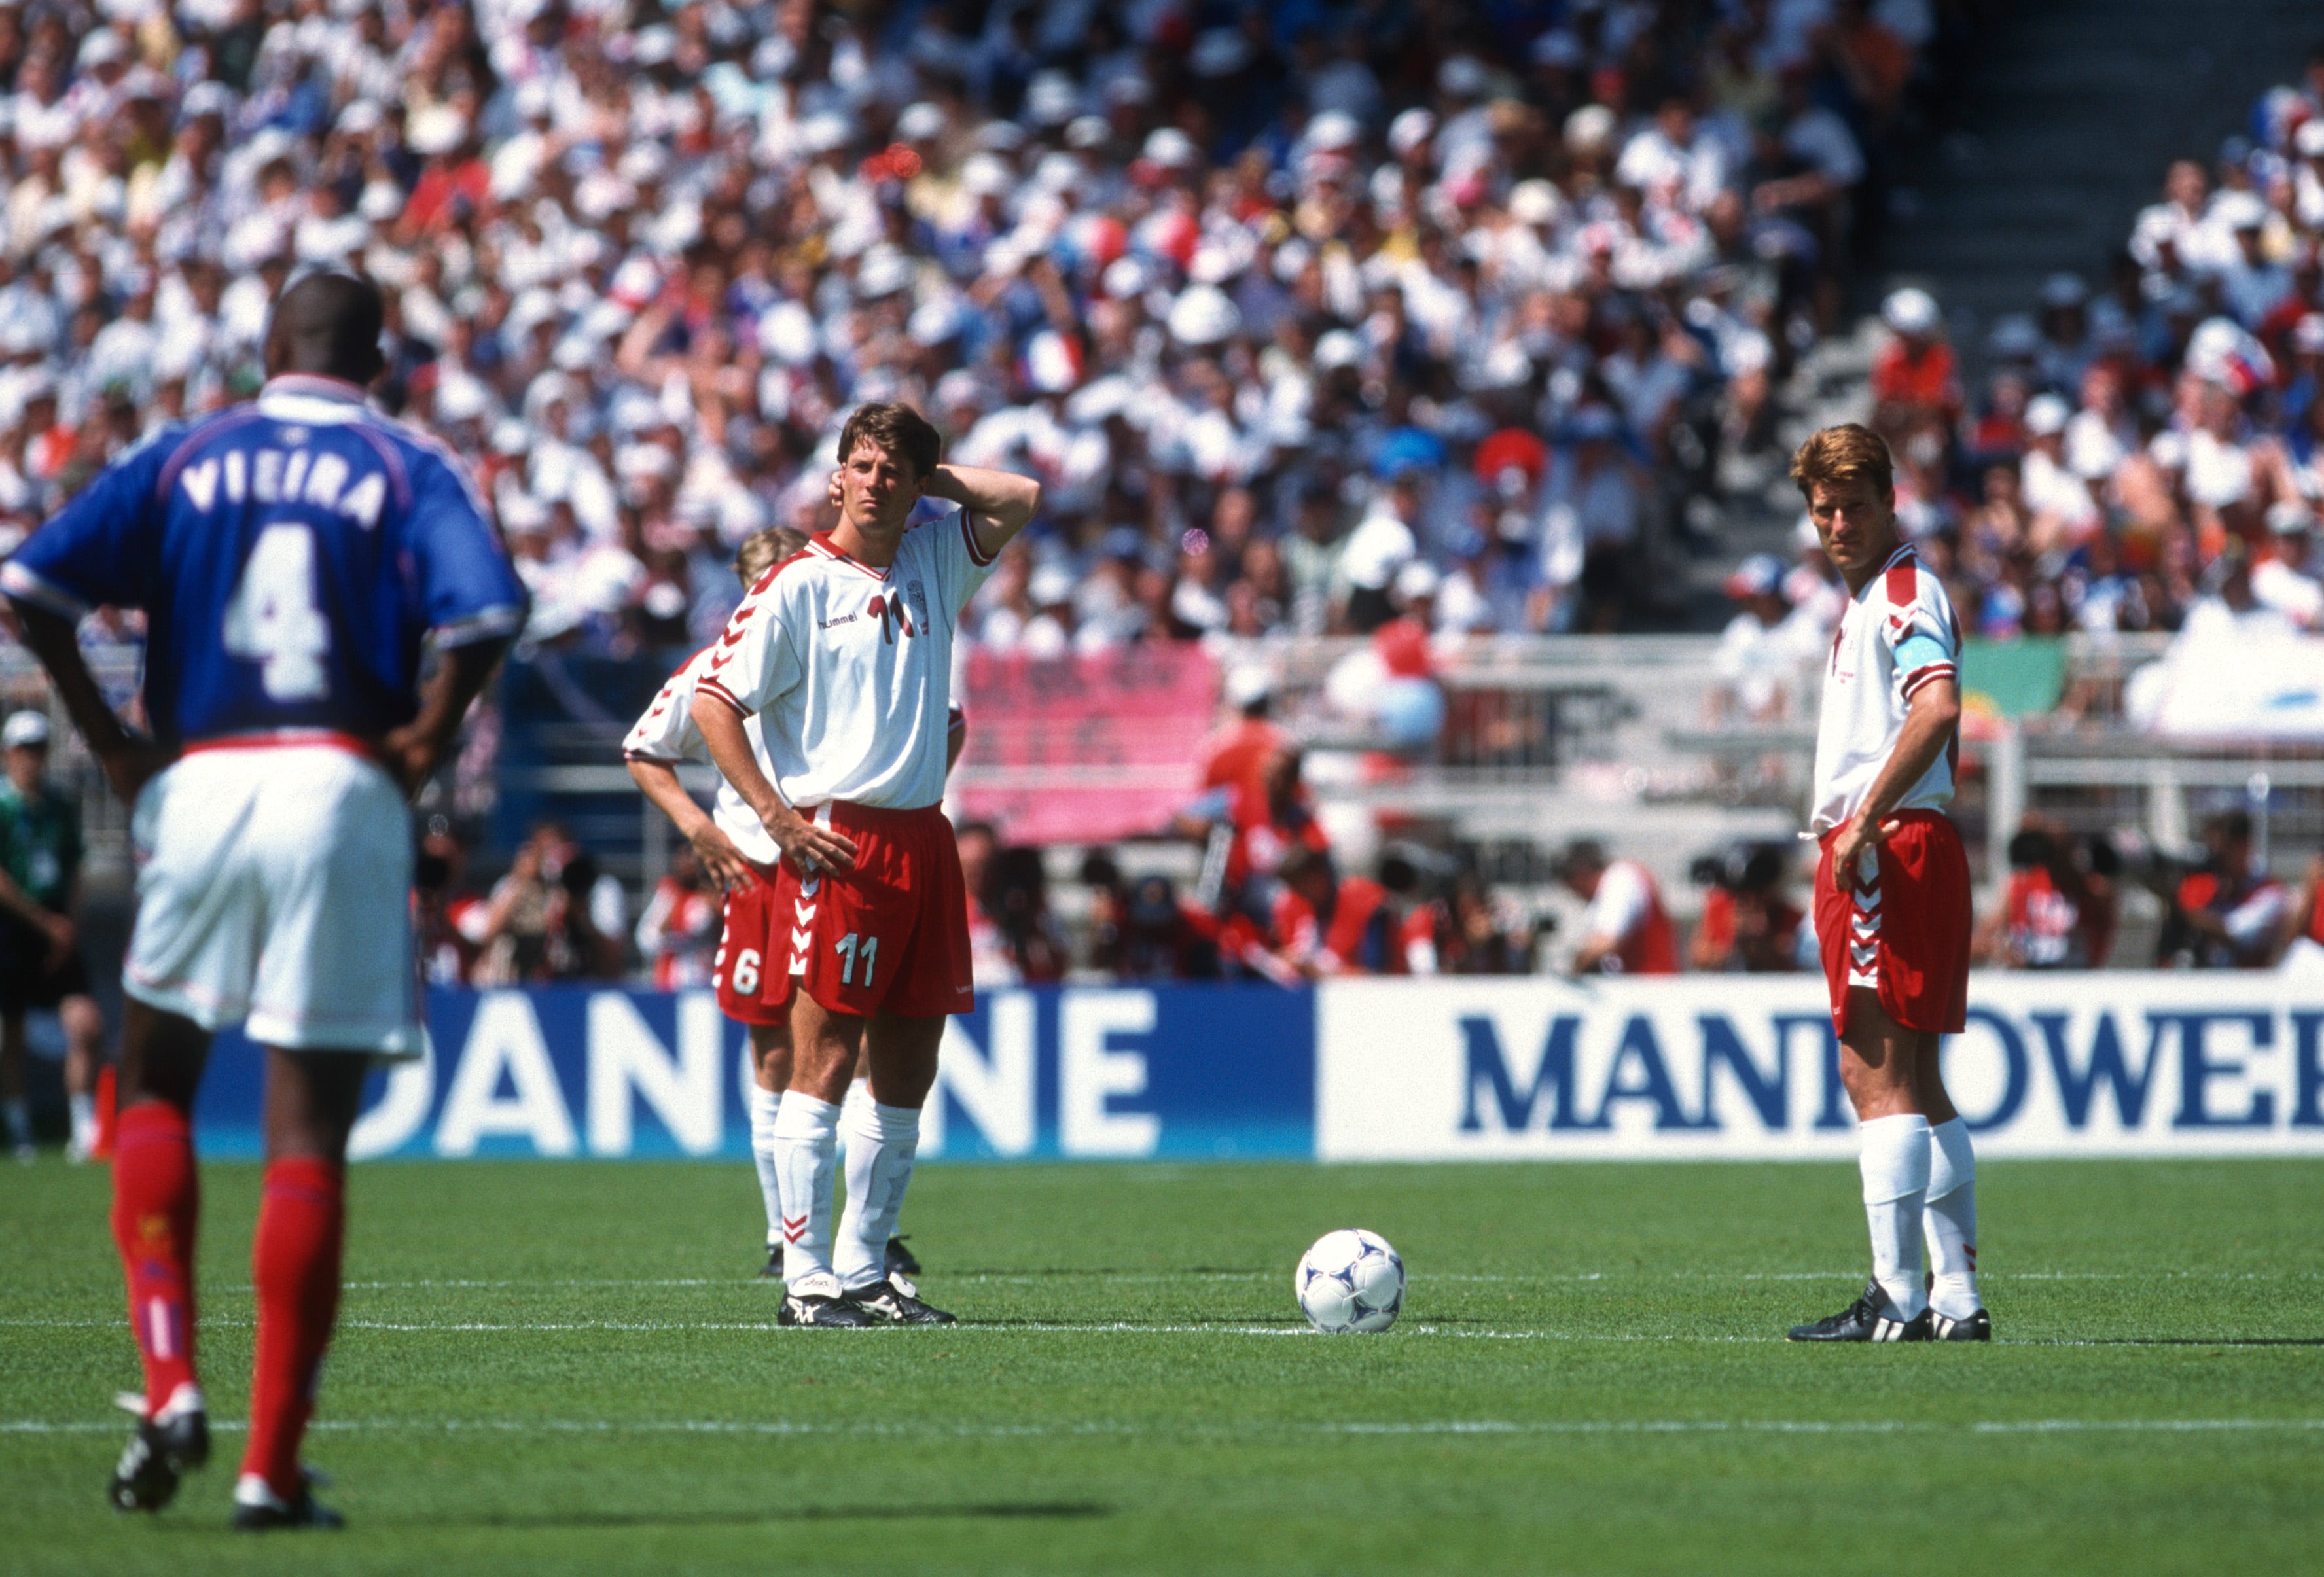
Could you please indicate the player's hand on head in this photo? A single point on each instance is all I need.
(836, 494)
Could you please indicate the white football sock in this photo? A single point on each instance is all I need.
(764, 1104)
(807, 1144)
(855, 1117)
(83, 1118)
(881, 1141)
(1949, 1220)
(19, 1119)
(1894, 1165)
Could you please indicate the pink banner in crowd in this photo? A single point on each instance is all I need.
(1083, 749)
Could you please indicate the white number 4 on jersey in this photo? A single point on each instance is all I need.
(273, 619)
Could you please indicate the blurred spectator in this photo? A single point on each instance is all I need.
(1460, 931)
(2055, 913)
(678, 933)
(2228, 914)
(1749, 922)
(447, 920)
(1233, 756)
(1625, 930)
(1766, 650)
(638, 265)
(1015, 898)
(1143, 930)
(2287, 579)
(552, 917)
(1250, 829)
(1326, 924)
(1912, 376)
(990, 963)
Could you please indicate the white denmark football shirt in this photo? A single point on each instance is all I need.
(848, 669)
(666, 732)
(1865, 689)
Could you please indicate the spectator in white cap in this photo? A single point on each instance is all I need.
(1247, 734)
(1766, 650)
(2287, 579)
(2252, 284)
(2063, 512)
(1913, 374)
(40, 966)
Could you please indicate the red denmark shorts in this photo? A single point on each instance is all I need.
(752, 986)
(1901, 929)
(892, 933)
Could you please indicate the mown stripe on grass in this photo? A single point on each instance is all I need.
(1131, 1429)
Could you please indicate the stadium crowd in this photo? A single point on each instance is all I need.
(1278, 301)
(2146, 453)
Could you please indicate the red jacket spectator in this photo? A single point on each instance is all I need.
(1325, 923)
(1626, 929)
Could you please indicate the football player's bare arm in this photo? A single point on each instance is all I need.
(1930, 719)
(128, 759)
(412, 751)
(808, 847)
(658, 782)
(999, 503)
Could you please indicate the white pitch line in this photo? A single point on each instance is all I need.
(1354, 1428)
(456, 1284)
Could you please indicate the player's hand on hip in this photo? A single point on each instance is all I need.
(1857, 837)
(721, 860)
(809, 848)
(410, 754)
(60, 928)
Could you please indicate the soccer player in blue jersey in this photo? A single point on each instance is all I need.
(291, 556)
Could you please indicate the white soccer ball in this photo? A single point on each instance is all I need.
(1351, 1280)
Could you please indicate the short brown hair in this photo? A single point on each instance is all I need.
(898, 428)
(1849, 453)
(762, 550)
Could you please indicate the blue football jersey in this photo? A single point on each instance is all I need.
(289, 556)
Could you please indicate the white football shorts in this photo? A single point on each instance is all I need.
(274, 891)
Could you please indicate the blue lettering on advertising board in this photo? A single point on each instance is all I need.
(571, 1070)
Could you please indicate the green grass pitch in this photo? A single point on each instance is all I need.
(567, 1367)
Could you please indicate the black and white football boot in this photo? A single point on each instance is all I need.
(896, 1302)
(1978, 1327)
(1870, 1318)
(772, 1270)
(899, 1259)
(259, 1509)
(165, 1447)
(817, 1300)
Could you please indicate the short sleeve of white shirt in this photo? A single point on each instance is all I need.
(958, 564)
(1620, 904)
(665, 731)
(757, 659)
(1926, 612)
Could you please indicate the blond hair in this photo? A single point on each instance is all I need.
(1847, 452)
(762, 550)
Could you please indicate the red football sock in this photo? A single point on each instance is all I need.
(156, 1201)
(294, 1264)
